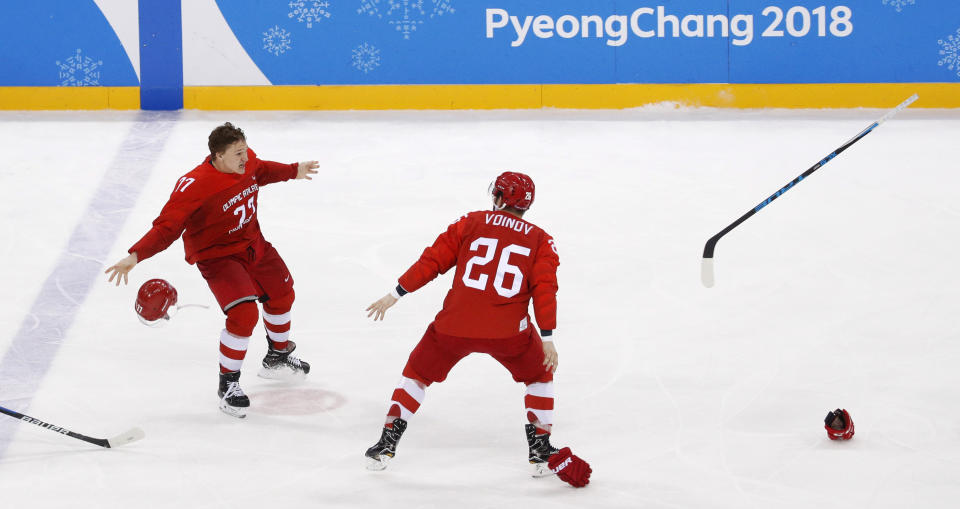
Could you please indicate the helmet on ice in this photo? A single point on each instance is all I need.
(154, 299)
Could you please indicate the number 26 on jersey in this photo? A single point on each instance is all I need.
(503, 267)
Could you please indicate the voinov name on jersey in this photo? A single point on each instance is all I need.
(644, 22)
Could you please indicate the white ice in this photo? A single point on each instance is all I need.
(842, 293)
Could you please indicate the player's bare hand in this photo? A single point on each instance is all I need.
(379, 308)
(550, 357)
(120, 269)
(307, 168)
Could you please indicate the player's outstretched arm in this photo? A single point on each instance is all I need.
(379, 308)
(306, 168)
(120, 269)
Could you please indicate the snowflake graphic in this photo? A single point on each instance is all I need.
(899, 3)
(79, 71)
(370, 7)
(410, 15)
(276, 40)
(406, 15)
(441, 7)
(309, 11)
(950, 52)
(366, 58)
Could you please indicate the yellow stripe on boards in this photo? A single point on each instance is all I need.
(69, 98)
(455, 97)
(719, 95)
(482, 97)
(364, 97)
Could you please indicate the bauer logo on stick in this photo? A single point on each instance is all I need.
(154, 300)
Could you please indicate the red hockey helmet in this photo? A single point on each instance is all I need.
(516, 189)
(154, 299)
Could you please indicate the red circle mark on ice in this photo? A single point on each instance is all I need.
(294, 401)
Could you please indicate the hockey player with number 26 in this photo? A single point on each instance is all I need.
(214, 207)
(502, 262)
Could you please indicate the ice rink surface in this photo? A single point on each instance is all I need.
(842, 293)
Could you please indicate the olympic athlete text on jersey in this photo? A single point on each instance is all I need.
(214, 208)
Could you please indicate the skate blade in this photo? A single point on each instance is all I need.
(233, 411)
(379, 463)
(541, 470)
(283, 374)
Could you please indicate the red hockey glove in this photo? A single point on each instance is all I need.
(570, 468)
(839, 425)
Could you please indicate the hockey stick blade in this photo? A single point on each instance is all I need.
(128, 437)
(706, 272)
(706, 266)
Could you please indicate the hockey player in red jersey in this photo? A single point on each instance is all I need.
(502, 262)
(214, 207)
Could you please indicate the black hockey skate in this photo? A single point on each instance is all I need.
(386, 448)
(280, 365)
(232, 399)
(540, 451)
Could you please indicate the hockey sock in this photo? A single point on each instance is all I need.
(232, 351)
(234, 339)
(276, 319)
(539, 404)
(406, 400)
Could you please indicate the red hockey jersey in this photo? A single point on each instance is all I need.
(215, 212)
(502, 262)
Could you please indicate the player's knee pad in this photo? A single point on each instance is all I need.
(281, 305)
(242, 319)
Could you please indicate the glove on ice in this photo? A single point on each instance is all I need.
(570, 468)
(839, 425)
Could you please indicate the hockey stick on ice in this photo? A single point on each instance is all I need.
(706, 267)
(131, 435)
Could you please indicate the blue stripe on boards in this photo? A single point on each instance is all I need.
(79, 266)
(161, 55)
